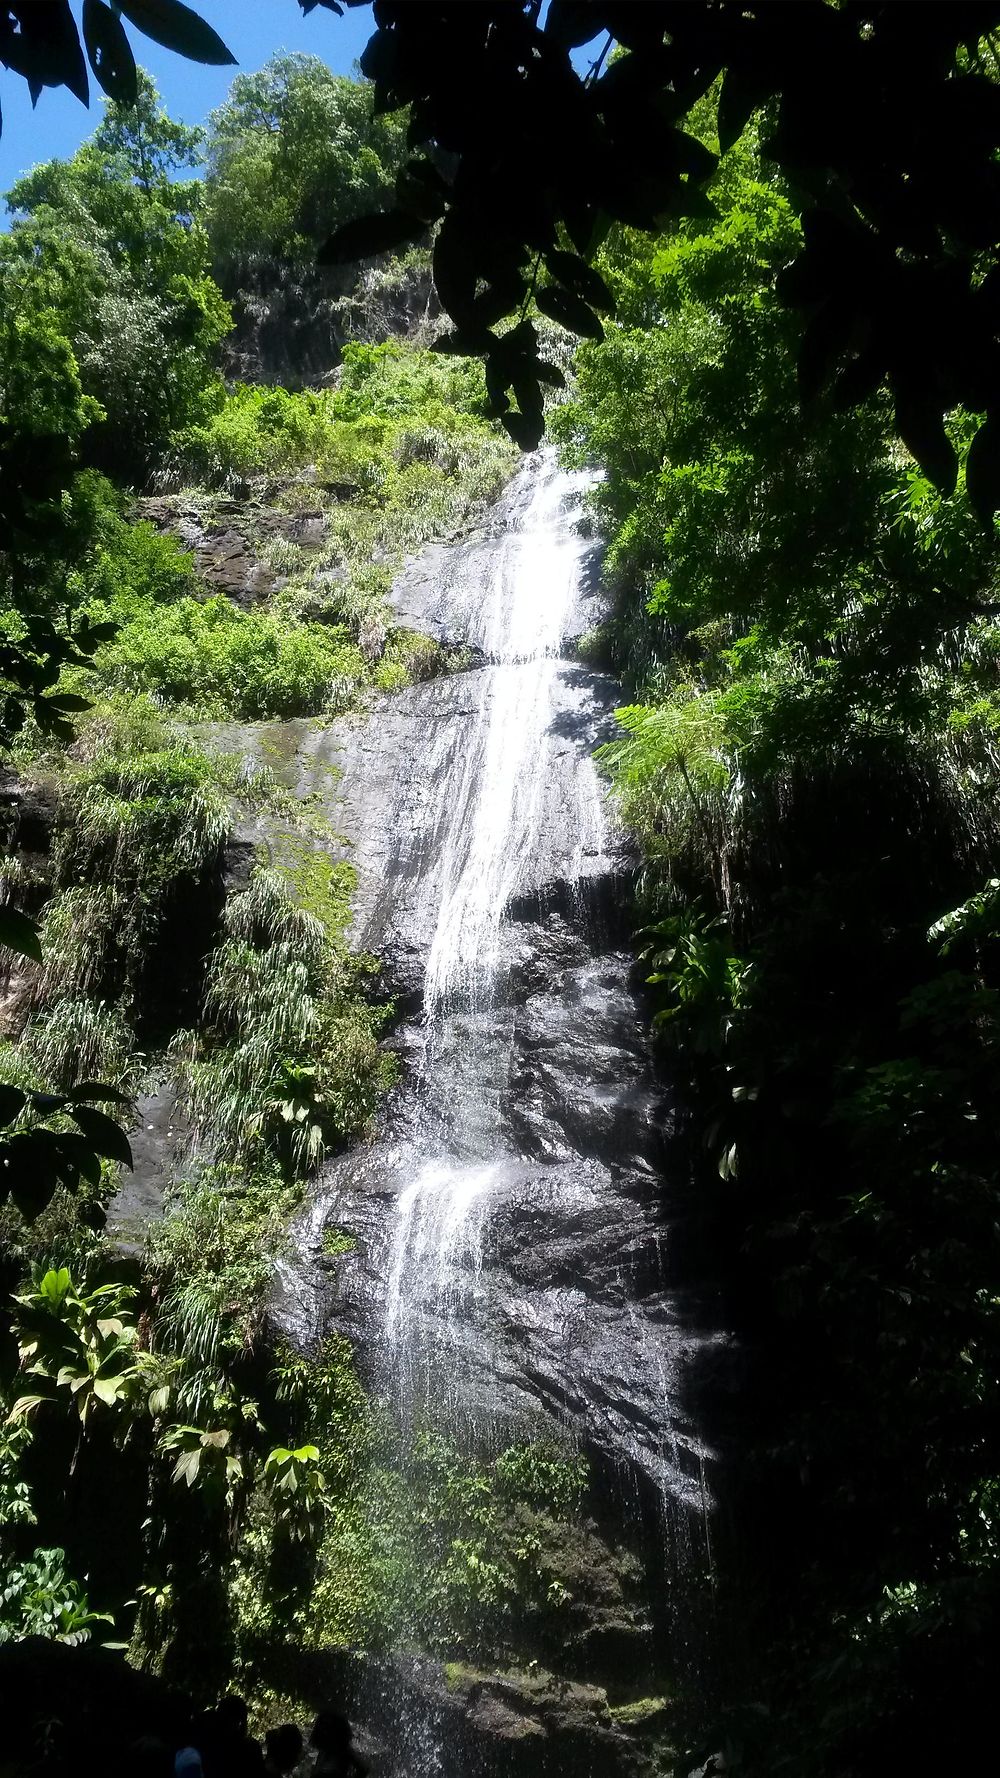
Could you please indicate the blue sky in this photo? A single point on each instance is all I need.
(253, 29)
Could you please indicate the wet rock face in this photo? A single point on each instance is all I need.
(229, 537)
(440, 592)
(548, 1305)
(159, 1141)
(475, 1723)
(505, 1277)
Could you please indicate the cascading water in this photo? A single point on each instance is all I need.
(488, 819)
(508, 1218)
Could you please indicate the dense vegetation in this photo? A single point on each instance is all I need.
(805, 624)
(808, 633)
(295, 152)
(251, 1495)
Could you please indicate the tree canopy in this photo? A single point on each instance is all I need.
(294, 152)
(807, 632)
(883, 117)
(111, 244)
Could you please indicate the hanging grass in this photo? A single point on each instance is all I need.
(294, 1063)
(79, 1040)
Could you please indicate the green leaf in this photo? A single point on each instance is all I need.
(108, 1389)
(19, 934)
(56, 1284)
(178, 28)
(24, 1405)
(108, 1138)
(187, 1466)
(109, 52)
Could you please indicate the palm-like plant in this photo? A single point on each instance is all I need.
(85, 1345)
(298, 1488)
(205, 1459)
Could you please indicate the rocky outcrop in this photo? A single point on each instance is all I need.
(230, 538)
(472, 1722)
(292, 321)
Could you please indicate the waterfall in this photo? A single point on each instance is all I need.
(488, 820)
(504, 1280)
(495, 808)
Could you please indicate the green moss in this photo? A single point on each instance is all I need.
(639, 1712)
(336, 1242)
(458, 1674)
(322, 885)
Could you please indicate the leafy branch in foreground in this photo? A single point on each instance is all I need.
(891, 155)
(38, 1151)
(42, 43)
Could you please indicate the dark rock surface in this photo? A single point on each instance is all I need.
(292, 322)
(159, 1142)
(228, 539)
(413, 1714)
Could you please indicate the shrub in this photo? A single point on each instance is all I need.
(219, 661)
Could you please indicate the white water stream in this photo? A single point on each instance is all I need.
(489, 819)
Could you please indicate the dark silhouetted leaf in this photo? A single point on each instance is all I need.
(502, 297)
(921, 428)
(550, 373)
(454, 269)
(570, 311)
(19, 934)
(587, 229)
(68, 702)
(12, 1103)
(581, 279)
(465, 343)
(525, 429)
(825, 339)
(107, 1136)
(572, 22)
(421, 189)
(368, 236)
(860, 378)
(76, 1156)
(109, 52)
(742, 91)
(178, 28)
(97, 1089)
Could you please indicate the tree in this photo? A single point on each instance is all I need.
(897, 183)
(891, 150)
(110, 241)
(294, 152)
(808, 631)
